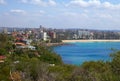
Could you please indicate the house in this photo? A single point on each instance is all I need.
(27, 41)
(2, 58)
(31, 47)
(20, 45)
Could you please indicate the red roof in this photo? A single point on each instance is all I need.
(19, 38)
(19, 43)
(2, 57)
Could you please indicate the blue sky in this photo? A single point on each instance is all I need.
(88, 14)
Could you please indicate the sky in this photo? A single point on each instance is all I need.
(84, 14)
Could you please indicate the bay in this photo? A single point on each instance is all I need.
(79, 52)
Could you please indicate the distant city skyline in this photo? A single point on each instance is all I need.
(84, 14)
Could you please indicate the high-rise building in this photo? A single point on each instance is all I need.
(44, 35)
(14, 29)
(54, 35)
(5, 30)
(41, 29)
(83, 34)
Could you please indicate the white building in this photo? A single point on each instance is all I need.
(5, 30)
(54, 35)
(75, 36)
(44, 36)
(27, 46)
(83, 34)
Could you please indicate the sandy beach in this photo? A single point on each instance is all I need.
(67, 41)
(54, 44)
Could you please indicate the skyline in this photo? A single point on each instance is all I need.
(86, 14)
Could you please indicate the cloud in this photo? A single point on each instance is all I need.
(93, 3)
(42, 12)
(2, 2)
(78, 13)
(40, 2)
(83, 3)
(52, 3)
(18, 11)
(38, 13)
(104, 15)
(24, 1)
(70, 14)
(110, 6)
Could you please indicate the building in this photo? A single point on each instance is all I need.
(83, 34)
(24, 46)
(75, 36)
(52, 34)
(14, 30)
(44, 36)
(5, 30)
(2, 58)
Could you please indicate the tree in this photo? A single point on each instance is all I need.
(115, 63)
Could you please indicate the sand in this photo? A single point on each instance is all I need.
(68, 41)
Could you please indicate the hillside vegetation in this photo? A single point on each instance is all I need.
(43, 64)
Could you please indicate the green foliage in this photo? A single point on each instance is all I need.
(2, 51)
(115, 63)
(3, 40)
(36, 65)
(63, 72)
(51, 58)
(4, 72)
(46, 55)
(98, 66)
(5, 44)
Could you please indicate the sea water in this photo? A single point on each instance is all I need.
(77, 53)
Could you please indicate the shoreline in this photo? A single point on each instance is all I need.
(55, 44)
(99, 40)
(65, 42)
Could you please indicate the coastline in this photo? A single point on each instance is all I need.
(65, 42)
(99, 40)
(54, 44)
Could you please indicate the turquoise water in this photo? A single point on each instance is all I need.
(77, 53)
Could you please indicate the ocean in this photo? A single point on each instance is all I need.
(80, 52)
